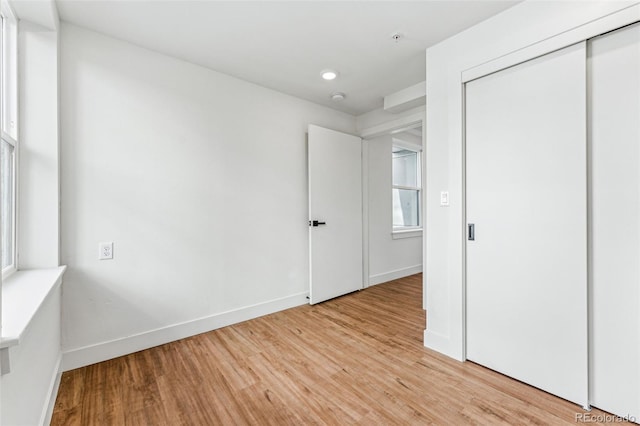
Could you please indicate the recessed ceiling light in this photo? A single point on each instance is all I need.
(338, 96)
(329, 74)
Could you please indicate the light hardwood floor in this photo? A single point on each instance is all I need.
(357, 359)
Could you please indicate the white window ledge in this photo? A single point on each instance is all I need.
(406, 233)
(23, 293)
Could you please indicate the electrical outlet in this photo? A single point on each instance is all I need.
(444, 198)
(106, 251)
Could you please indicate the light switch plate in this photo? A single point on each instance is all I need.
(106, 251)
(444, 198)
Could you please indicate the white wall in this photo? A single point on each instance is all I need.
(526, 24)
(198, 178)
(38, 243)
(388, 258)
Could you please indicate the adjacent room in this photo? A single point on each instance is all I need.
(319, 212)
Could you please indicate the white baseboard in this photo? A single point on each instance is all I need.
(87, 355)
(50, 401)
(442, 344)
(394, 275)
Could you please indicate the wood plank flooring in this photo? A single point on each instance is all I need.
(357, 359)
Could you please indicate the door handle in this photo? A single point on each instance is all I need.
(316, 223)
(472, 232)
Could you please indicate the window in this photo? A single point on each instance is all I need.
(8, 139)
(406, 186)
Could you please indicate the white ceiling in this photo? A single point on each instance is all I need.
(284, 45)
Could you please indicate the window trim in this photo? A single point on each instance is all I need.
(10, 70)
(11, 268)
(399, 232)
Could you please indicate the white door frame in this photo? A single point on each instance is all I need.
(394, 126)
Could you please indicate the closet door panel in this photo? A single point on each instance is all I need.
(526, 177)
(614, 133)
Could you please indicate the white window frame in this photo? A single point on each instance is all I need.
(409, 231)
(9, 113)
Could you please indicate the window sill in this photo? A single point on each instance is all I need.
(7, 272)
(23, 293)
(406, 233)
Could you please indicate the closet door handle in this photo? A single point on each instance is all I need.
(471, 235)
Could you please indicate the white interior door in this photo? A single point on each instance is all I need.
(526, 177)
(614, 105)
(335, 203)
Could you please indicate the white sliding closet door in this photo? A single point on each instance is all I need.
(614, 106)
(526, 195)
